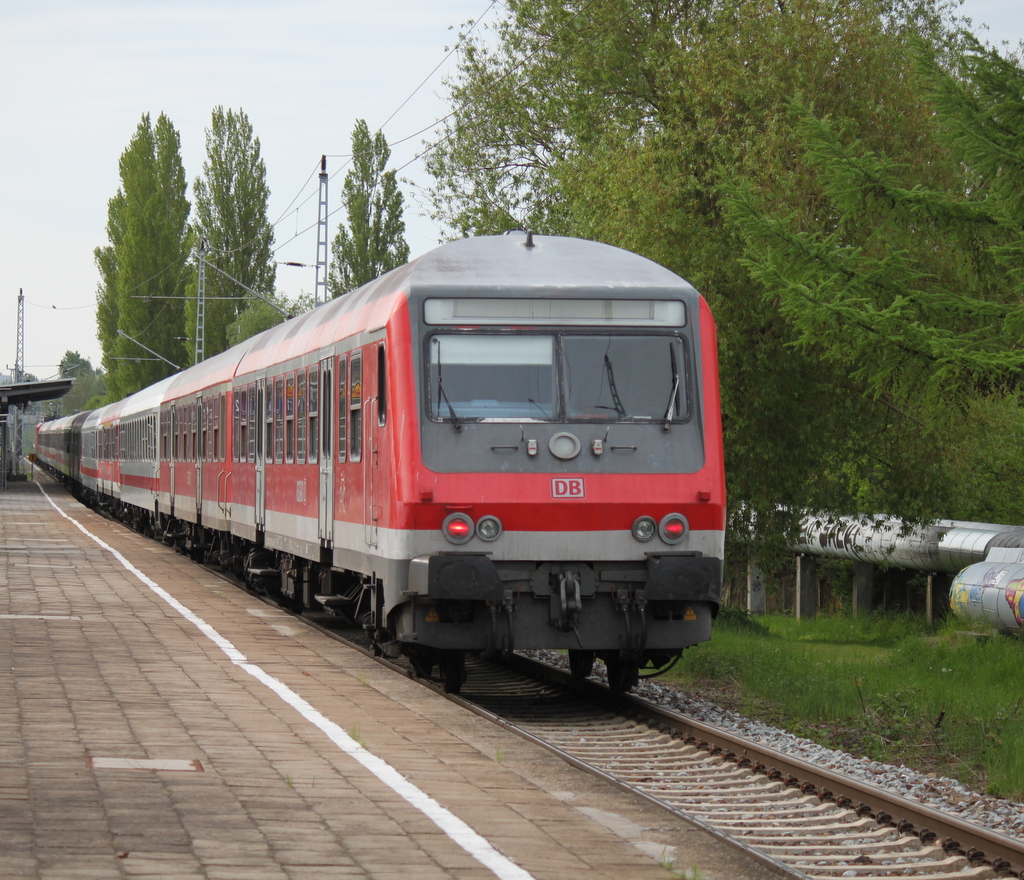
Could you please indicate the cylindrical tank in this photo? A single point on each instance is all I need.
(991, 593)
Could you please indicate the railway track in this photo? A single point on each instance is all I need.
(807, 821)
(800, 819)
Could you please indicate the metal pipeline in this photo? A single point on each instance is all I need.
(945, 545)
(987, 557)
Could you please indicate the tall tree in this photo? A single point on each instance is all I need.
(262, 316)
(89, 387)
(626, 123)
(143, 270)
(912, 284)
(231, 199)
(374, 240)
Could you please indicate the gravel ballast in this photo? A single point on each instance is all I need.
(938, 792)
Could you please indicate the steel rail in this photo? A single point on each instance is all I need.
(904, 813)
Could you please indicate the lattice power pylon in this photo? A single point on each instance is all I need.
(19, 376)
(320, 291)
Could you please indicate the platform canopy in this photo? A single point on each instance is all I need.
(21, 393)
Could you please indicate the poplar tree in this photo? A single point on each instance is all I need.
(231, 203)
(143, 269)
(373, 242)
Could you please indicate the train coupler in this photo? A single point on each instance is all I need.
(505, 609)
(568, 604)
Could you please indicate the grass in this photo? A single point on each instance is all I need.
(895, 689)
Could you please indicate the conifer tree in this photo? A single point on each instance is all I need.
(911, 287)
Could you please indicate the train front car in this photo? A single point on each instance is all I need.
(571, 488)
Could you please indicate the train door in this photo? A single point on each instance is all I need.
(260, 474)
(172, 455)
(327, 420)
(199, 426)
(374, 419)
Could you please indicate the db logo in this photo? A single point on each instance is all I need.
(567, 487)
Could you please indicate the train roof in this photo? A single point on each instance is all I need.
(551, 265)
(493, 265)
(148, 399)
(496, 265)
(64, 423)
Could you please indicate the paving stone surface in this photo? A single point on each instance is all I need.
(94, 665)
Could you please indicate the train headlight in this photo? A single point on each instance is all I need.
(457, 528)
(644, 528)
(673, 528)
(564, 445)
(488, 528)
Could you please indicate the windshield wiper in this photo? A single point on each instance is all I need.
(456, 424)
(620, 410)
(671, 411)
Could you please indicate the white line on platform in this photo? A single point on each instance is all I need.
(472, 842)
(38, 617)
(145, 764)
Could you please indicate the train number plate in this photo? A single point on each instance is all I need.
(568, 487)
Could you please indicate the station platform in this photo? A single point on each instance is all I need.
(158, 722)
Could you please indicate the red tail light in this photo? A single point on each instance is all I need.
(673, 528)
(457, 528)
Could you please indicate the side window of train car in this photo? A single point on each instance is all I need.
(382, 387)
(218, 431)
(252, 423)
(279, 420)
(289, 419)
(237, 416)
(355, 408)
(313, 425)
(300, 417)
(342, 407)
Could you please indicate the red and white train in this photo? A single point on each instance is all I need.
(510, 442)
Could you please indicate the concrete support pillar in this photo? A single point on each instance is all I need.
(755, 587)
(929, 608)
(806, 587)
(863, 585)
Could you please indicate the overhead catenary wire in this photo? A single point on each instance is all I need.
(402, 140)
(544, 45)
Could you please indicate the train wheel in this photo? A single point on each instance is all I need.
(581, 663)
(622, 671)
(452, 667)
(422, 663)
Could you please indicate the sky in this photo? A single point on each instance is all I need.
(78, 75)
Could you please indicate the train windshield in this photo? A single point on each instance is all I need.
(624, 378)
(541, 377)
(480, 377)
